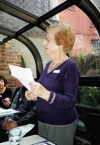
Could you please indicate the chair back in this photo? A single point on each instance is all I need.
(92, 125)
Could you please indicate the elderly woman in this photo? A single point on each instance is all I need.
(56, 90)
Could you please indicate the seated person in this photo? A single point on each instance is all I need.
(26, 114)
(5, 93)
(13, 97)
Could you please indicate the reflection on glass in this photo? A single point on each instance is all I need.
(89, 96)
(26, 55)
(11, 22)
(2, 37)
(37, 7)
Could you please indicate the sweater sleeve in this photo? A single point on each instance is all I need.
(70, 85)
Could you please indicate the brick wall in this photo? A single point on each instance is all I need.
(8, 55)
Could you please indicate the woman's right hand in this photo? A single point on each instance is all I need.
(30, 96)
(6, 102)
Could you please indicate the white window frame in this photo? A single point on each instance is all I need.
(54, 3)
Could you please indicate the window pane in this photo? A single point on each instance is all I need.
(37, 36)
(2, 37)
(37, 7)
(89, 96)
(11, 22)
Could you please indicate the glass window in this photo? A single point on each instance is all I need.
(97, 3)
(11, 22)
(2, 37)
(89, 96)
(37, 7)
(96, 44)
(37, 36)
(83, 53)
(27, 57)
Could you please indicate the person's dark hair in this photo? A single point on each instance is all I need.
(4, 79)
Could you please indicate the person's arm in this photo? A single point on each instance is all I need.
(30, 117)
(6, 102)
(27, 111)
(9, 124)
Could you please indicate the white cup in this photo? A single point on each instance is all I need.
(14, 136)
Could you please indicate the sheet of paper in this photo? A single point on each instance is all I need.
(7, 112)
(24, 75)
(2, 111)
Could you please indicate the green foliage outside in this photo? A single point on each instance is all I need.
(89, 96)
(88, 61)
(89, 65)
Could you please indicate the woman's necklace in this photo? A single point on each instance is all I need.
(54, 65)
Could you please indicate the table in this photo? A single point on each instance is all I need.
(29, 140)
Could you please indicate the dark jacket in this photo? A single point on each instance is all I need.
(27, 109)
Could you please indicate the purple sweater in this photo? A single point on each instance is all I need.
(62, 83)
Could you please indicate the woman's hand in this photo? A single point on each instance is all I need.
(9, 124)
(6, 102)
(37, 90)
(30, 96)
(4, 125)
(12, 124)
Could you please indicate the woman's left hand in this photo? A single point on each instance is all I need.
(30, 96)
(37, 90)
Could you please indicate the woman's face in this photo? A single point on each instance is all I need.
(51, 48)
(2, 84)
